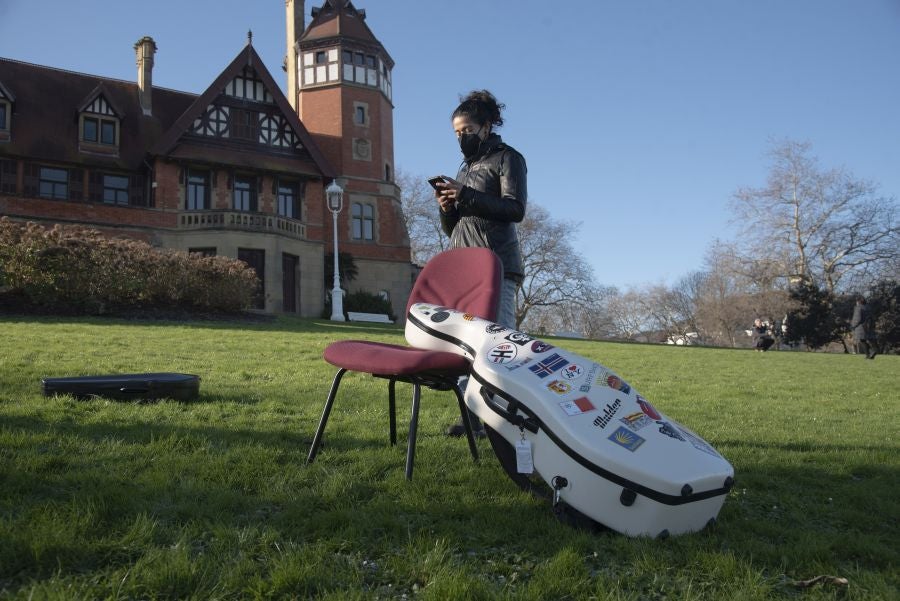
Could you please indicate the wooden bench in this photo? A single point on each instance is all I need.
(373, 317)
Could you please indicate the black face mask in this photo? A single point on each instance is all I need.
(470, 144)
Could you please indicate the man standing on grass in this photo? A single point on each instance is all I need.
(862, 329)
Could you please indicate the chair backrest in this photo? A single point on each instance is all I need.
(465, 279)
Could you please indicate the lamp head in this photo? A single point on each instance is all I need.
(334, 194)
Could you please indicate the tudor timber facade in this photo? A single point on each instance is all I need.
(235, 171)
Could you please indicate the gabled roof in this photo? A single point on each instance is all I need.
(5, 93)
(100, 90)
(340, 19)
(246, 57)
(45, 120)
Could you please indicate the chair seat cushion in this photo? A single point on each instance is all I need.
(391, 359)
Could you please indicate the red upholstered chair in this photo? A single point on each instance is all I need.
(467, 279)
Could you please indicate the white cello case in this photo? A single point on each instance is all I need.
(604, 449)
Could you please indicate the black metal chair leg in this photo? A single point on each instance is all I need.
(467, 423)
(317, 439)
(413, 427)
(392, 409)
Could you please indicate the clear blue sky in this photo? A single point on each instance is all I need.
(638, 118)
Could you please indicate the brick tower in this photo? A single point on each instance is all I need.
(343, 94)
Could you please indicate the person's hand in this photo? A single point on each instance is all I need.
(447, 193)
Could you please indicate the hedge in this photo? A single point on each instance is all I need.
(70, 269)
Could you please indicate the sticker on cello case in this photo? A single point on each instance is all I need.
(549, 365)
(577, 407)
(519, 338)
(468, 316)
(572, 371)
(698, 443)
(647, 408)
(503, 353)
(586, 387)
(540, 347)
(559, 387)
(440, 316)
(636, 421)
(667, 429)
(516, 366)
(617, 383)
(627, 439)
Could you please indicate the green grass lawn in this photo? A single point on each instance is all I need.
(212, 499)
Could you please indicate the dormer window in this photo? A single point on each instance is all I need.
(98, 125)
(99, 131)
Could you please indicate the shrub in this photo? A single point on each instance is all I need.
(362, 302)
(366, 302)
(67, 269)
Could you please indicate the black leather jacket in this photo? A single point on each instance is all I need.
(491, 202)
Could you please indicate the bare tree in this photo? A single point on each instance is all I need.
(420, 210)
(676, 307)
(723, 306)
(627, 314)
(593, 316)
(815, 224)
(587, 317)
(555, 273)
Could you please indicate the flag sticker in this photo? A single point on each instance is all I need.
(584, 404)
(577, 407)
(636, 421)
(549, 365)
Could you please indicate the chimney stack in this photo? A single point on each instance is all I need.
(144, 50)
(295, 27)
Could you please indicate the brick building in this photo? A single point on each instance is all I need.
(239, 170)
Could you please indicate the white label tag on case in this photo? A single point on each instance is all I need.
(524, 464)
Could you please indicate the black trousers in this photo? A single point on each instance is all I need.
(866, 347)
(764, 343)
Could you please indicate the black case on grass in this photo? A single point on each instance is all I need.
(126, 387)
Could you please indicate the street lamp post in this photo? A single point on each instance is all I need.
(335, 196)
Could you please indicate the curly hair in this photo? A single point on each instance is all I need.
(481, 106)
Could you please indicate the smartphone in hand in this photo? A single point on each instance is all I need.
(434, 181)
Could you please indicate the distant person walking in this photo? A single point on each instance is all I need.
(863, 332)
(762, 340)
(777, 333)
(482, 205)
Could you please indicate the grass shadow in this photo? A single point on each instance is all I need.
(280, 323)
